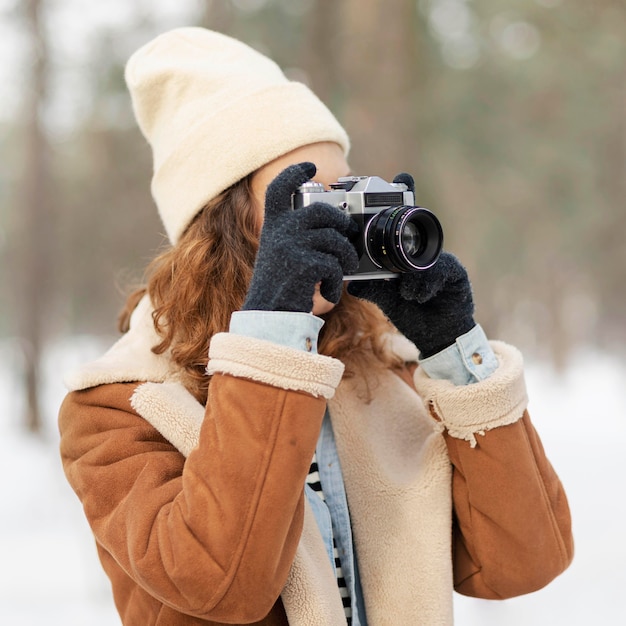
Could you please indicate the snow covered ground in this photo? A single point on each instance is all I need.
(49, 571)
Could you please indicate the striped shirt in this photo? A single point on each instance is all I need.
(313, 480)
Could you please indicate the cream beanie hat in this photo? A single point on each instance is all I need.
(214, 110)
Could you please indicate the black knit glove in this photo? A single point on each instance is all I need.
(430, 307)
(299, 249)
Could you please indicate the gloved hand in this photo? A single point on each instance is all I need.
(431, 307)
(299, 249)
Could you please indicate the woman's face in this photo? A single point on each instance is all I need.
(331, 164)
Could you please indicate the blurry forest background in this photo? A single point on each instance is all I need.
(510, 114)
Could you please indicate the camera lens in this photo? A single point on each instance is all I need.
(404, 239)
(411, 240)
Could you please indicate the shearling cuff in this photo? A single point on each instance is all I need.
(275, 365)
(468, 410)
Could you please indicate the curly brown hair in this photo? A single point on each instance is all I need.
(195, 286)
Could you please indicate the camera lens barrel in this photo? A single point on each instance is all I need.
(404, 239)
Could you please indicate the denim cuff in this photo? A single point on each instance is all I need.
(286, 328)
(468, 360)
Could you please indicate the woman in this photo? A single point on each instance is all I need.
(262, 446)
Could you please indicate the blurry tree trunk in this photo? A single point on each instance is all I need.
(320, 52)
(378, 68)
(612, 274)
(34, 211)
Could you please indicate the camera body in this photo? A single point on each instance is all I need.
(394, 236)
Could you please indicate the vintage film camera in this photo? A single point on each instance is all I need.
(394, 236)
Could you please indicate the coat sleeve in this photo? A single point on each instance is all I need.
(202, 533)
(512, 527)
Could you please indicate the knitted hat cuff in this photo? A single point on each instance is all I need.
(236, 141)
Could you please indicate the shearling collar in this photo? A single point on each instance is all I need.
(130, 359)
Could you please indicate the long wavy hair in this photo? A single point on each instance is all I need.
(195, 285)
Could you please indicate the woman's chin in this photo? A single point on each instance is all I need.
(321, 306)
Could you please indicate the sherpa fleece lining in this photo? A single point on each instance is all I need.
(279, 366)
(469, 410)
(172, 410)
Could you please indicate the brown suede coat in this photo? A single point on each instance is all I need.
(217, 537)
